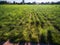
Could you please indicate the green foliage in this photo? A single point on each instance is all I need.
(38, 23)
(56, 37)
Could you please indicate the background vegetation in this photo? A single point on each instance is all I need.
(30, 3)
(34, 23)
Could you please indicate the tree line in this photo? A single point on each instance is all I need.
(5, 2)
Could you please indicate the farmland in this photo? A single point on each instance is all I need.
(30, 23)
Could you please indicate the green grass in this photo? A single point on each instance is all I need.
(29, 22)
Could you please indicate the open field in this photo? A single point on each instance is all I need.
(30, 23)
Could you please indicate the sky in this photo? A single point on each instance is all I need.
(34, 0)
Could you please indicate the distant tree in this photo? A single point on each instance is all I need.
(23, 2)
(47, 3)
(42, 2)
(3, 2)
(28, 3)
(14, 2)
(55, 2)
(33, 2)
(52, 2)
(58, 2)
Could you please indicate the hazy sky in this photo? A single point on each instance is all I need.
(35, 0)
